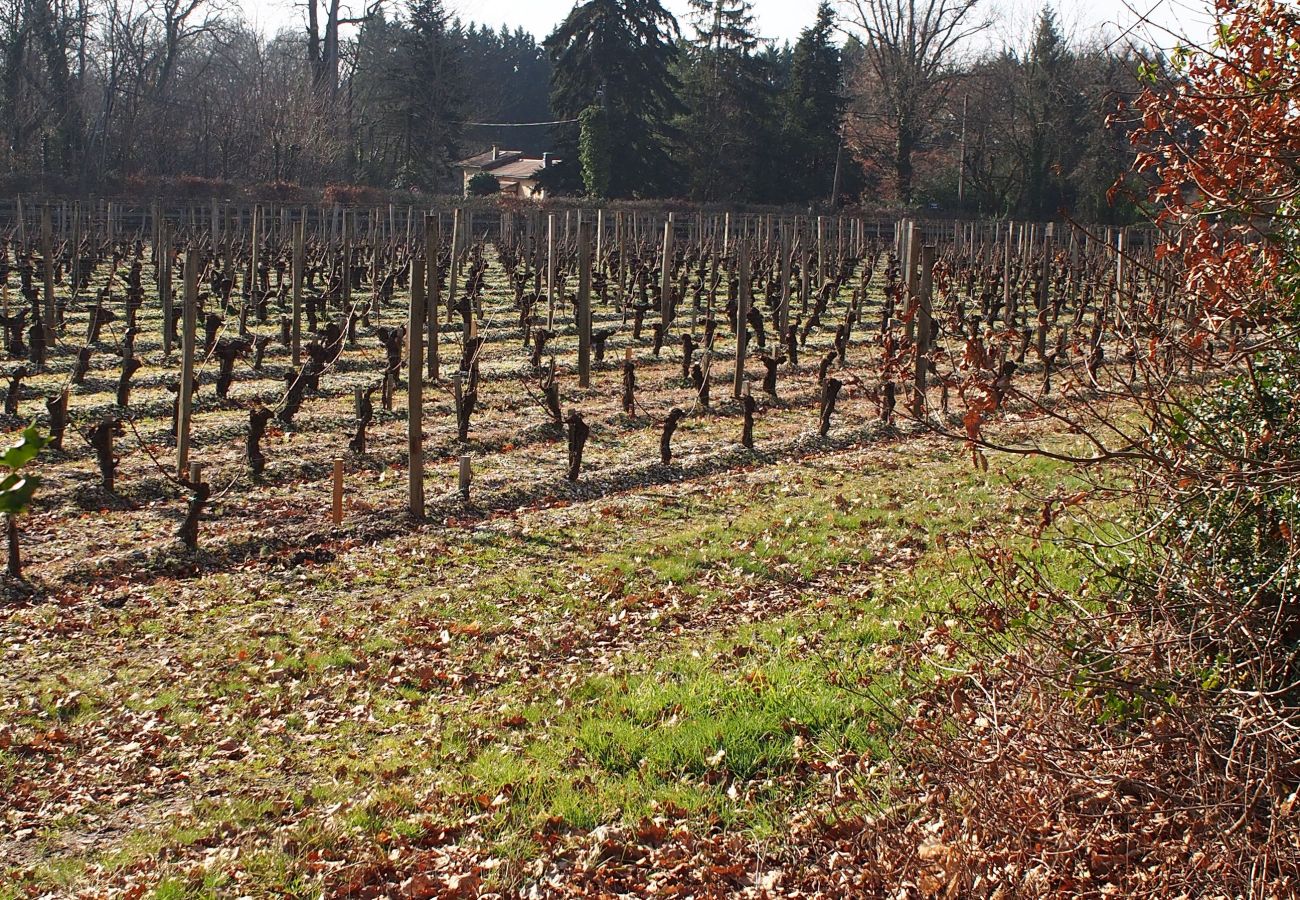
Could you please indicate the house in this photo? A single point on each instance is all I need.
(516, 173)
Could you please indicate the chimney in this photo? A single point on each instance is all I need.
(546, 160)
(496, 153)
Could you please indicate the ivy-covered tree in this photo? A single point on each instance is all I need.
(619, 53)
(594, 152)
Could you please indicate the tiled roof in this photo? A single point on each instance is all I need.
(485, 161)
(523, 168)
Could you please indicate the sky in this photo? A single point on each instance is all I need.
(784, 19)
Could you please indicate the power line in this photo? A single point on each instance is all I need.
(516, 124)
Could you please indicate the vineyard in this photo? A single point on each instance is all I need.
(335, 491)
(202, 380)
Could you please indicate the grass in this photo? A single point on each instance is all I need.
(696, 648)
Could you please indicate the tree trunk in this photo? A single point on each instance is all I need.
(903, 149)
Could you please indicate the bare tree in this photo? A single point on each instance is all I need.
(912, 55)
(323, 44)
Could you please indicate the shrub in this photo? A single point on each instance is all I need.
(352, 195)
(484, 184)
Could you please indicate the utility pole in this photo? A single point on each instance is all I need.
(961, 168)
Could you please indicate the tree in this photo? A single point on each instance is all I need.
(619, 53)
(323, 53)
(409, 85)
(813, 107)
(594, 152)
(911, 57)
(507, 78)
(727, 91)
(483, 184)
(1052, 115)
(16, 489)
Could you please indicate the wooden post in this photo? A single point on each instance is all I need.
(1120, 250)
(666, 278)
(165, 287)
(787, 255)
(805, 276)
(76, 252)
(742, 314)
(229, 248)
(47, 252)
(464, 476)
(346, 268)
(432, 246)
(1008, 304)
(620, 234)
(550, 270)
(252, 265)
(415, 390)
(584, 304)
(336, 506)
(295, 337)
(1040, 304)
(188, 328)
(453, 265)
(821, 249)
(911, 279)
(922, 331)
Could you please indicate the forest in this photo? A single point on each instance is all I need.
(877, 101)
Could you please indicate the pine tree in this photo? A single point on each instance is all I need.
(430, 94)
(814, 106)
(727, 90)
(1054, 110)
(619, 53)
(408, 93)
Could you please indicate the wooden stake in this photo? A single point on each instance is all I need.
(742, 314)
(47, 252)
(295, 338)
(922, 331)
(415, 392)
(185, 399)
(584, 304)
(432, 246)
(453, 267)
(336, 507)
(347, 263)
(550, 271)
(787, 257)
(666, 278)
(165, 286)
(465, 474)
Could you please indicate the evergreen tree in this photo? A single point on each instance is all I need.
(814, 107)
(727, 90)
(507, 79)
(408, 90)
(1053, 108)
(429, 90)
(619, 53)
